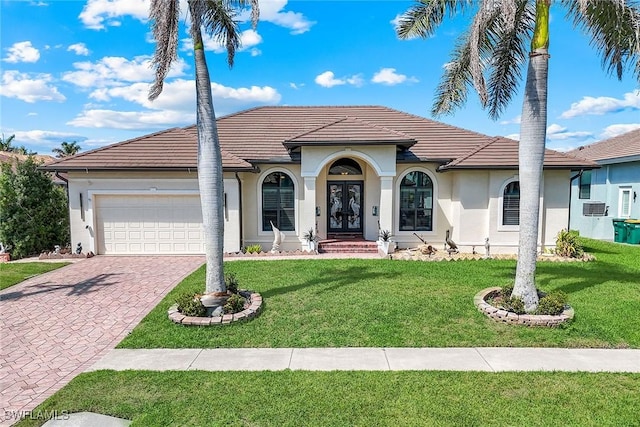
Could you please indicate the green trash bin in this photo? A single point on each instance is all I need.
(619, 230)
(633, 231)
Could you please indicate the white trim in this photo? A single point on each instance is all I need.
(350, 154)
(296, 189)
(501, 226)
(434, 203)
(621, 191)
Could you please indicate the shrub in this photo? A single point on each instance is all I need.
(310, 236)
(190, 305)
(553, 303)
(253, 249)
(231, 282)
(33, 211)
(514, 304)
(506, 291)
(234, 304)
(567, 244)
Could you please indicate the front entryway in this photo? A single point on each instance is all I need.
(344, 202)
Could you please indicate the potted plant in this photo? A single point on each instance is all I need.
(311, 237)
(384, 239)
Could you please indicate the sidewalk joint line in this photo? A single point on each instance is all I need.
(194, 359)
(290, 358)
(384, 351)
(485, 360)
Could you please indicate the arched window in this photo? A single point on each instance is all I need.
(511, 204)
(416, 202)
(278, 202)
(345, 166)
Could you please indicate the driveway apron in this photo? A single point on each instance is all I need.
(56, 325)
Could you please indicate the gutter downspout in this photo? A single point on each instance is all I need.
(240, 211)
(573, 178)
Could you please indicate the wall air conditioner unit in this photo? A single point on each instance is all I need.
(594, 209)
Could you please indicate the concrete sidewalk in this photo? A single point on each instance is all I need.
(491, 359)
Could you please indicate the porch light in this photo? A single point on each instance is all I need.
(374, 211)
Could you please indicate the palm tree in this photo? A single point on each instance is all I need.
(490, 57)
(67, 149)
(217, 18)
(5, 143)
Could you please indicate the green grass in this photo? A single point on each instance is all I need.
(382, 303)
(294, 398)
(15, 272)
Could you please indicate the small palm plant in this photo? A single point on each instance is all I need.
(385, 235)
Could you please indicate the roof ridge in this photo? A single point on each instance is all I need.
(473, 151)
(307, 132)
(117, 144)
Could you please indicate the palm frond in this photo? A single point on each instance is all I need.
(509, 55)
(423, 18)
(451, 92)
(614, 28)
(164, 15)
(218, 20)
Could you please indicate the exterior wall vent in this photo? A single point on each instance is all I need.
(594, 209)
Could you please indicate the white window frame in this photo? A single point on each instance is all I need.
(501, 226)
(261, 178)
(434, 206)
(621, 212)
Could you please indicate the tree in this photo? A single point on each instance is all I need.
(67, 149)
(490, 57)
(5, 143)
(217, 18)
(33, 210)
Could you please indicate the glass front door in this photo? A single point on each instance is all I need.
(345, 206)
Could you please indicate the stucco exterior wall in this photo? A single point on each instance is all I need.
(86, 186)
(606, 184)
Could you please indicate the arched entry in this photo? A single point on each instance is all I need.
(345, 197)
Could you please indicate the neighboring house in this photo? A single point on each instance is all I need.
(11, 157)
(599, 195)
(347, 171)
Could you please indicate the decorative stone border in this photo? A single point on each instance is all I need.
(267, 254)
(255, 305)
(442, 256)
(504, 316)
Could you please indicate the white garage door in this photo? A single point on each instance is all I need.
(149, 224)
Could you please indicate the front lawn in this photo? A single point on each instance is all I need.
(294, 398)
(16, 272)
(383, 303)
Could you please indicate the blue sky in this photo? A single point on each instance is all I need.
(79, 71)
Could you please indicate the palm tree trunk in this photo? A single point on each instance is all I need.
(210, 177)
(531, 158)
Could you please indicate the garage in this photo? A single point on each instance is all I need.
(142, 224)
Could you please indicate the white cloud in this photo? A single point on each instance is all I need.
(603, 105)
(328, 79)
(79, 49)
(174, 107)
(514, 136)
(389, 77)
(22, 52)
(115, 71)
(272, 11)
(248, 40)
(29, 88)
(98, 13)
(515, 121)
(139, 120)
(619, 129)
(46, 138)
(296, 86)
(556, 132)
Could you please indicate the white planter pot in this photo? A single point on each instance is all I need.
(384, 246)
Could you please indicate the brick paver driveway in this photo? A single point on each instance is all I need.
(56, 325)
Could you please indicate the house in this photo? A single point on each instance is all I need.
(347, 171)
(12, 157)
(599, 195)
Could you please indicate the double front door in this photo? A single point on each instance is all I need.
(345, 201)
